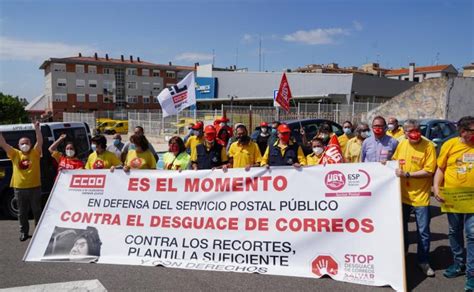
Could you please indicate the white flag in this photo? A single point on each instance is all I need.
(178, 97)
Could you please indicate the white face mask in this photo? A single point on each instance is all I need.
(391, 127)
(264, 130)
(70, 153)
(318, 150)
(25, 147)
(93, 147)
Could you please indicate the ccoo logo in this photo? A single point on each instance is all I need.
(335, 180)
(87, 181)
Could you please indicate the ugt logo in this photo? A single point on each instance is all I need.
(88, 181)
(324, 265)
(335, 180)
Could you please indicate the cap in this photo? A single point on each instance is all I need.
(263, 124)
(237, 125)
(197, 126)
(223, 119)
(210, 129)
(283, 128)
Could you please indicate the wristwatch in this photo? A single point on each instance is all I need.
(407, 174)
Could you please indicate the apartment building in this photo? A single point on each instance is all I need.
(84, 84)
(418, 74)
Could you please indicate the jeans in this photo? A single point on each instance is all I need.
(423, 218)
(28, 198)
(458, 224)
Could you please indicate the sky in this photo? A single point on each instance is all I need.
(292, 33)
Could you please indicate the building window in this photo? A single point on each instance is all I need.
(155, 100)
(145, 72)
(60, 97)
(92, 97)
(80, 83)
(62, 83)
(170, 74)
(107, 99)
(59, 67)
(132, 99)
(108, 71)
(80, 97)
(92, 70)
(156, 73)
(146, 99)
(131, 85)
(131, 71)
(156, 86)
(80, 69)
(92, 83)
(108, 87)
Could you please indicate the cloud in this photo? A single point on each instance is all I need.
(318, 36)
(15, 49)
(248, 38)
(357, 25)
(191, 56)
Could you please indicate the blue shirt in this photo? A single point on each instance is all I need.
(376, 150)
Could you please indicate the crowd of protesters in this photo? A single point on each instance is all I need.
(223, 146)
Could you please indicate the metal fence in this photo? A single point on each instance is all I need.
(156, 125)
(89, 118)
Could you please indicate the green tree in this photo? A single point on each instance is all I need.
(12, 110)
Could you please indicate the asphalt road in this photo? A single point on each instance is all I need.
(14, 272)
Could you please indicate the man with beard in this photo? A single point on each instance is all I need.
(244, 153)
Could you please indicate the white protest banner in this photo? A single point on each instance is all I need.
(178, 97)
(341, 220)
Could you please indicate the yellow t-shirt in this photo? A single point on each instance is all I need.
(300, 154)
(192, 142)
(179, 162)
(26, 169)
(397, 134)
(343, 139)
(457, 158)
(142, 160)
(415, 157)
(313, 159)
(353, 150)
(244, 155)
(103, 161)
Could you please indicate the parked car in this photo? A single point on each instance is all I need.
(79, 133)
(104, 124)
(438, 131)
(120, 127)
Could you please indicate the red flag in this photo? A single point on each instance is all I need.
(333, 153)
(284, 94)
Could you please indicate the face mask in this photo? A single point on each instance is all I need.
(174, 148)
(132, 147)
(25, 147)
(210, 137)
(222, 124)
(264, 130)
(70, 153)
(93, 147)
(347, 131)
(391, 127)
(116, 142)
(318, 150)
(274, 130)
(365, 134)
(378, 131)
(285, 138)
(244, 139)
(414, 135)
